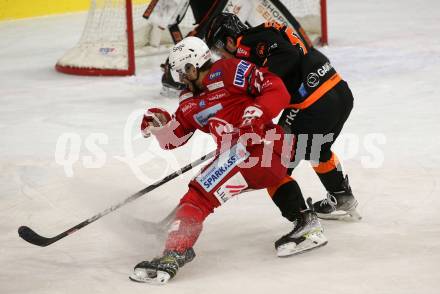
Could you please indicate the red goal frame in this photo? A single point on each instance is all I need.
(110, 72)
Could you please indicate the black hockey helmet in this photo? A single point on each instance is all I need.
(221, 26)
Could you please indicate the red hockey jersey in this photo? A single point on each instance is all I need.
(229, 87)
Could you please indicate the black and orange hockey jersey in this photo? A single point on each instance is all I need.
(306, 72)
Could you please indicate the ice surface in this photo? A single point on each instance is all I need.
(388, 51)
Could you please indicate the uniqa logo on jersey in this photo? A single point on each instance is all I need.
(220, 168)
(240, 73)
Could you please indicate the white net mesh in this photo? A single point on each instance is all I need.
(301, 8)
(104, 43)
(308, 14)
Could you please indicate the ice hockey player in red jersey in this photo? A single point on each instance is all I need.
(232, 100)
(321, 103)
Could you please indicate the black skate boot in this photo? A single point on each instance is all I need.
(161, 269)
(307, 234)
(339, 205)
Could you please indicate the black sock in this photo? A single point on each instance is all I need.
(333, 179)
(289, 199)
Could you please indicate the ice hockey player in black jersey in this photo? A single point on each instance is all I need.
(320, 104)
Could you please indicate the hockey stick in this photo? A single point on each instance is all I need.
(150, 9)
(32, 237)
(216, 7)
(173, 28)
(154, 227)
(176, 33)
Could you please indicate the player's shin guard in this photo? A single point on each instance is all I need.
(182, 235)
(330, 173)
(183, 232)
(185, 229)
(288, 197)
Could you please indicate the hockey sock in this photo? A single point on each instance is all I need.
(330, 173)
(288, 197)
(188, 222)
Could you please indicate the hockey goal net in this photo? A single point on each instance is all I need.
(116, 33)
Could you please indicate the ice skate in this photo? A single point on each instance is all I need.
(339, 205)
(162, 269)
(307, 234)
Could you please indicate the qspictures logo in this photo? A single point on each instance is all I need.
(149, 162)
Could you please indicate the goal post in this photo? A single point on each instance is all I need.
(116, 32)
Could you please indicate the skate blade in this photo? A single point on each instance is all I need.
(313, 241)
(350, 215)
(141, 276)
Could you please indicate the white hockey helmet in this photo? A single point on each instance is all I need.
(191, 50)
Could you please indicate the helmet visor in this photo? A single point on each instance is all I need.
(180, 74)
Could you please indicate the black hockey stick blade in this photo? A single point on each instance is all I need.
(30, 236)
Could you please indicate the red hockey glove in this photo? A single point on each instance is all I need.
(252, 125)
(154, 118)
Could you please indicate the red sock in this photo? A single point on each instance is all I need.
(188, 222)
